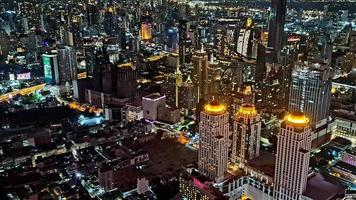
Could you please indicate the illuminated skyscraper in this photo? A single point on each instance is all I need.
(109, 21)
(246, 42)
(182, 31)
(213, 146)
(246, 134)
(200, 75)
(67, 61)
(51, 69)
(126, 81)
(146, 28)
(276, 35)
(292, 159)
(310, 90)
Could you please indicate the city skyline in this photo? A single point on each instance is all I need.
(178, 100)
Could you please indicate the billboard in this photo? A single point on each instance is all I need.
(24, 76)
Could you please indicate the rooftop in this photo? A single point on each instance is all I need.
(154, 96)
(247, 109)
(297, 119)
(215, 108)
(320, 187)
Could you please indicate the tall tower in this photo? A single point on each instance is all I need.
(292, 159)
(276, 35)
(179, 77)
(182, 31)
(246, 134)
(200, 75)
(214, 136)
(310, 90)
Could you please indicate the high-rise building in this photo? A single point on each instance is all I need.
(146, 28)
(200, 62)
(246, 42)
(188, 98)
(150, 104)
(214, 137)
(67, 60)
(292, 159)
(92, 15)
(109, 25)
(126, 81)
(246, 134)
(182, 32)
(310, 90)
(276, 35)
(213, 77)
(51, 70)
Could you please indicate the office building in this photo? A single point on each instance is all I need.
(246, 135)
(51, 68)
(246, 42)
(92, 15)
(310, 90)
(188, 95)
(182, 34)
(276, 34)
(67, 61)
(126, 81)
(213, 144)
(201, 63)
(109, 25)
(150, 104)
(293, 154)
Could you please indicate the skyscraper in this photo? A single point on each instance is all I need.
(310, 90)
(246, 42)
(182, 31)
(276, 34)
(50, 68)
(92, 15)
(126, 81)
(109, 21)
(292, 159)
(246, 134)
(201, 63)
(213, 146)
(67, 61)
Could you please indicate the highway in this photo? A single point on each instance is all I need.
(24, 91)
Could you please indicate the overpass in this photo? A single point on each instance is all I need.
(22, 92)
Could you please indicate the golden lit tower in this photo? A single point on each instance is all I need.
(246, 134)
(214, 137)
(292, 159)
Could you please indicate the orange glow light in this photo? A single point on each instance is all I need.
(247, 109)
(296, 119)
(215, 108)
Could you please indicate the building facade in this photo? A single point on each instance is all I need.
(310, 90)
(213, 145)
(292, 159)
(246, 134)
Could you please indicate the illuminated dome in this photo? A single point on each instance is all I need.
(214, 108)
(247, 109)
(296, 119)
